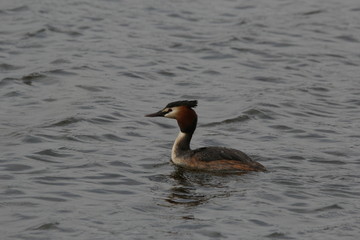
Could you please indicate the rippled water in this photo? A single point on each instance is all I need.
(277, 79)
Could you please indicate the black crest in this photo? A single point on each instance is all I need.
(190, 104)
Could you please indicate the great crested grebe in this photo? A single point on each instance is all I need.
(206, 158)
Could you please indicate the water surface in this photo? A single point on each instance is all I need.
(278, 80)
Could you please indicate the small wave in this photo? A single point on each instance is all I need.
(316, 210)
(54, 180)
(323, 161)
(330, 207)
(42, 159)
(113, 137)
(255, 113)
(103, 119)
(60, 61)
(245, 7)
(61, 72)
(28, 79)
(52, 153)
(211, 72)
(269, 79)
(313, 12)
(184, 16)
(65, 122)
(281, 127)
(5, 67)
(57, 29)
(93, 88)
(51, 199)
(310, 135)
(348, 38)
(218, 56)
(47, 226)
(32, 139)
(260, 223)
(6, 81)
(132, 75)
(248, 115)
(19, 204)
(186, 196)
(258, 52)
(41, 33)
(15, 9)
(16, 167)
(166, 73)
(241, 118)
(278, 235)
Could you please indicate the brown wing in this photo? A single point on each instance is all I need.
(225, 158)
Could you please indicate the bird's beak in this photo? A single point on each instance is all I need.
(160, 113)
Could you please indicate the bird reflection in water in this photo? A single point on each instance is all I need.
(194, 188)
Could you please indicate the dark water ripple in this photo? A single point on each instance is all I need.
(276, 79)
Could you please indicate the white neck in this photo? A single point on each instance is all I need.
(181, 145)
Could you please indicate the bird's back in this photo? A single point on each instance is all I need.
(221, 158)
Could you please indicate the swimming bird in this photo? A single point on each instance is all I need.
(205, 158)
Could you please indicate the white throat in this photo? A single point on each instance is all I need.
(176, 149)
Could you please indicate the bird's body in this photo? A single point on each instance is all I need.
(206, 158)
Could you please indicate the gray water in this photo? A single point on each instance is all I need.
(277, 79)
